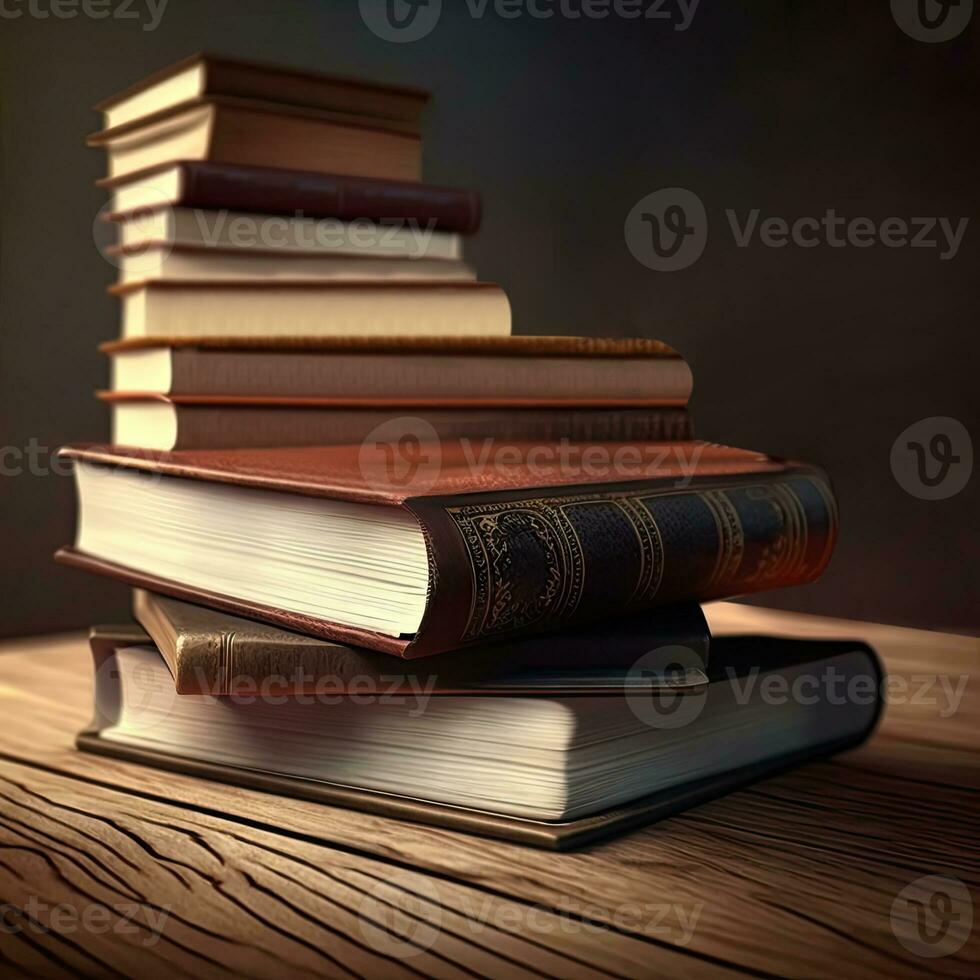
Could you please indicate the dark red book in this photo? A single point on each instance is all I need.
(270, 190)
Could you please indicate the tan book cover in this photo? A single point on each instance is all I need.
(206, 74)
(211, 652)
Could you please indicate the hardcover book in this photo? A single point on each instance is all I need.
(212, 75)
(182, 422)
(158, 261)
(552, 771)
(241, 131)
(528, 372)
(415, 549)
(295, 236)
(210, 652)
(298, 307)
(202, 185)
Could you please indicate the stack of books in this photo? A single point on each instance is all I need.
(384, 554)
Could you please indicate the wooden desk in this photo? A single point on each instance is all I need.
(793, 877)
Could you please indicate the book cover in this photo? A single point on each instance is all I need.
(269, 190)
(733, 659)
(211, 652)
(534, 545)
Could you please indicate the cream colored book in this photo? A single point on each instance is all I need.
(207, 74)
(223, 130)
(282, 234)
(549, 769)
(222, 308)
(160, 261)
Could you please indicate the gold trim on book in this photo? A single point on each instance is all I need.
(529, 568)
(731, 538)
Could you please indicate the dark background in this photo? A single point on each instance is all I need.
(789, 107)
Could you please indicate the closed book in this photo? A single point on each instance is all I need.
(529, 372)
(179, 422)
(550, 771)
(209, 74)
(211, 652)
(415, 548)
(209, 186)
(226, 130)
(158, 261)
(292, 237)
(300, 307)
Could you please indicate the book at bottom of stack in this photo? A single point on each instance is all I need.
(554, 743)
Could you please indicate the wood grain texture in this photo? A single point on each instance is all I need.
(233, 900)
(793, 877)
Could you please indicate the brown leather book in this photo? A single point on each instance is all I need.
(178, 422)
(226, 130)
(211, 652)
(415, 548)
(615, 763)
(213, 75)
(269, 190)
(531, 372)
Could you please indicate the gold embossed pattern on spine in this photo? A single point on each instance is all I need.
(529, 566)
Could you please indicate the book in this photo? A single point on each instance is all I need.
(549, 771)
(413, 548)
(290, 307)
(160, 261)
(241, 131)
(182, 422)
(208, 74)
(210, 652)
(409, 371)
(207, 186)
(305, 237)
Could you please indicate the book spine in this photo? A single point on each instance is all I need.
(510, 563)
(251, 426)
(225, 662)
(207, 658)
(272, 191)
